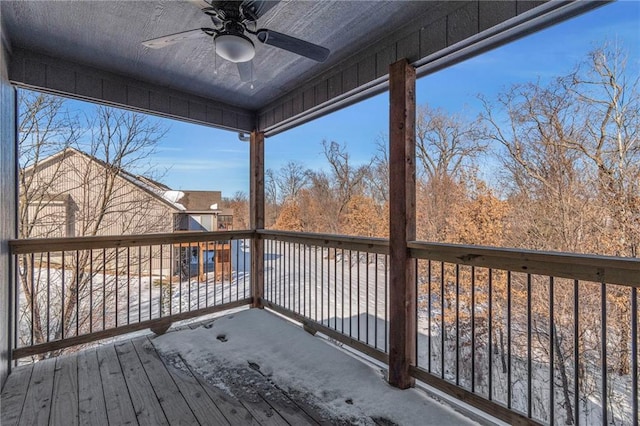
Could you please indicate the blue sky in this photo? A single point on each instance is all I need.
(202, 158)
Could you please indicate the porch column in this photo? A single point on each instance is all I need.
(402, 222)
(256, 215)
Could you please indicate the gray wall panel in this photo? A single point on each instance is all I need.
(444, 35)
(42, 72)
(8, 206)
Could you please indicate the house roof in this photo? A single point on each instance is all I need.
(183, 201)
(93, 50)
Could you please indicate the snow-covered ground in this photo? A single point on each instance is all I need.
(259, 344)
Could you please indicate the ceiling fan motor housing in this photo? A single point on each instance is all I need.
(233, 45)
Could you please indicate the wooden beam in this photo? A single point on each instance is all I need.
(402, 223)
(256, 218)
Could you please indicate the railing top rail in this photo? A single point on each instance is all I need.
(364, 244)
(607, 269)
(40, 245)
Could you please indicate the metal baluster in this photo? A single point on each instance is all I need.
(576, 353)
(490, 330)
(634, 355)
(473, 329)
(429, 315)
(529, 355)
(509, 378)
(551, 353)
(603, 358)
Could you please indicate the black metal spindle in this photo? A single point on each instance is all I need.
(32, 273)
(342, 290)
(104, 289)
(634, 355)
(128, 285)
(603, 348)
(457, 379)
(77, 292)
(63, 300)
(335, 289)
(529, 354)
(90, 294)
(442, 325)
(350, 293)
(171, 265)
(551, 353)
(576, 354)
(509, 370)
(116, 286)
(490, 331)
(375, 309)
(160, 306)
(415, 312)
(429, 315)
(139, 283)
(49, 295)
(473, 329)
(150, 279)
(386, 303)
(358, 292)
(366, 273)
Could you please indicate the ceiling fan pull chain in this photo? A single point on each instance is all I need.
(215, 57)
(251, 75)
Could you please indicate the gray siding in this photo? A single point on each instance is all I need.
(442, 37)
(34, 70)
(7, 205)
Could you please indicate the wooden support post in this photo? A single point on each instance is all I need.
(402, 223)
(256, 216)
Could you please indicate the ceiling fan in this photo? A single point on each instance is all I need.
(232, 21)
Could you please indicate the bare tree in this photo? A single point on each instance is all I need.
(90, 176)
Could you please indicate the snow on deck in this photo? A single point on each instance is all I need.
(306, 367)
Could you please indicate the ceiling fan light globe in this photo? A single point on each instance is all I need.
(235, 48)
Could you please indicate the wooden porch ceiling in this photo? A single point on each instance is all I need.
(93, 50)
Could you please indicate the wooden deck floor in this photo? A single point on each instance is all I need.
(128, 383)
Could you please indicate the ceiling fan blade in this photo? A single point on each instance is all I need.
(245, 71)
(168, 40)
(292, 44)
(200, 3)
(254, 9)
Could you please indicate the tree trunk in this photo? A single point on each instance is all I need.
(563, 377)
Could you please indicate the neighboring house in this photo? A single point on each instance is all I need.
(73, 194)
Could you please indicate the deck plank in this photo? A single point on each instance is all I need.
(264, 413)
(91, 401)
(145, 401)
(14, 393)
(235, 413)
(171, 399)
(37, 404)
(288, 409)
(203, 407)
(117, 401)
(64, 404)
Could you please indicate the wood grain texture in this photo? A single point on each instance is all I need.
(91, 403)
(37, 404)
(402, 225)
(256, 215)
(118, 403)
(147, 408)
(201, 404)
(64, 404)
(14, 393)
(173, 403)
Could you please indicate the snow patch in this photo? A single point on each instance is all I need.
(173, 196)
(260, 349)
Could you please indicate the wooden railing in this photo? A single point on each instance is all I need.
(530, 337)
(71, 291)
